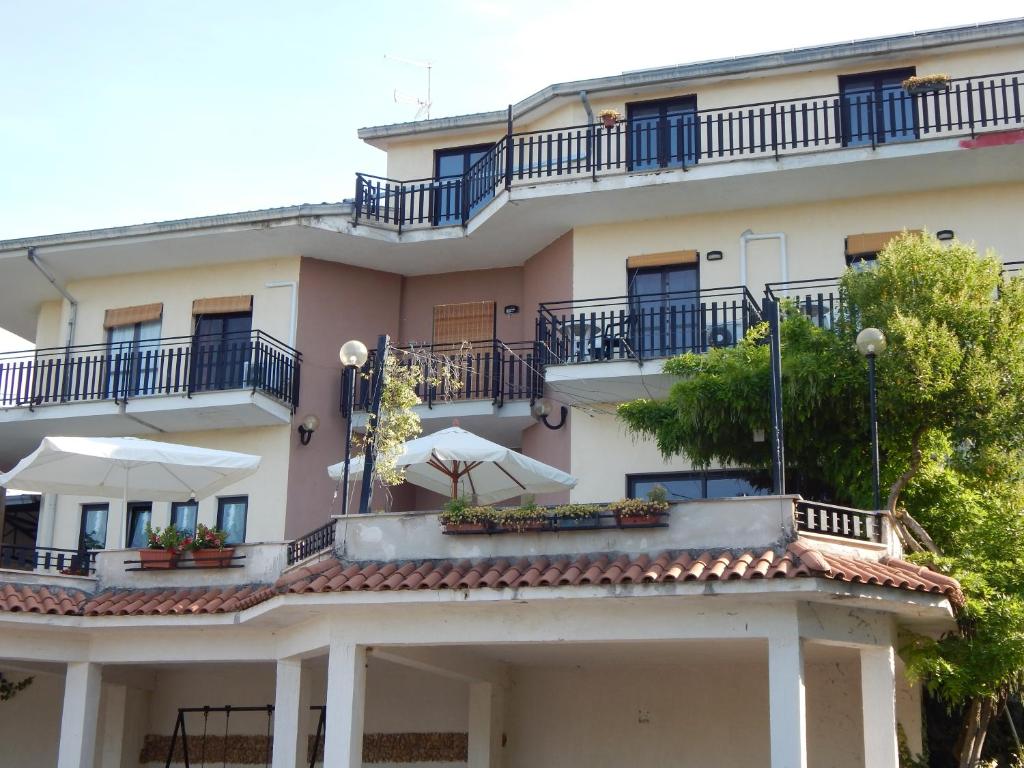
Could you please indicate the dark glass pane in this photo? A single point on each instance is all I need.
(725, 486)
(94, 526)
(680, 488)
(183, 516)
(139, 516)
(231, 514)
(222, 351)
(877, 110)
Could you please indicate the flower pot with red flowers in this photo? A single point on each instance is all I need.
(208, 548)
(163, 549)
(460, 516)
(635, 513)
(609, 117)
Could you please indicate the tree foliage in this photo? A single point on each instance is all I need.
(951, 418)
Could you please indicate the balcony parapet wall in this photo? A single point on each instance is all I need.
(262, 564)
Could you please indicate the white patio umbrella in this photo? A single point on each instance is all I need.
(442, 461)
(109, 466)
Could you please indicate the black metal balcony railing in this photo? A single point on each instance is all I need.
(181, 365)
(645, 326)
(819, 298)
(27, 558)
(970, 105)
(844, 522)
(314, 542)
(483, 370)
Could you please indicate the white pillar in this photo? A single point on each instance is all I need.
(346, 697)
(78, 719)
(115, 708)
(291, 711)
(786, 706)
(485, 725)
(878, 700)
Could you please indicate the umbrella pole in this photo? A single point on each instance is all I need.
(122, 535)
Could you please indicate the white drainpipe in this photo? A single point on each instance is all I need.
(747, 236)
(73, 311)
(295, 306)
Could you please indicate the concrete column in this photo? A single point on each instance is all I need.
(82, 686)
(486, 710)
(291, 713)
(115, 709)
(878, 700)
(786, 706)
(346, 699)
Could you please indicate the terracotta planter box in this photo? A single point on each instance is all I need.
(636, 521)
(213, 558)
(158, 559)
(481, 527)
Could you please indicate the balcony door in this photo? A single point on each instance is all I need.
(664, 307)
(221, 350)
(133, 360)
(449, 167)
(876, 109)
(662, 134)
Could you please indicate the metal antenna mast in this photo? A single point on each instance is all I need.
(403, 98)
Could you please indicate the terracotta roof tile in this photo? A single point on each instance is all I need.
(332, 575)
(34, 598)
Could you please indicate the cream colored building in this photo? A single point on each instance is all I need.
(567, 256)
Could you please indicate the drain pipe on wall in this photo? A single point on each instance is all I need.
(73, 311)
(293, 327)
(747, 237)
(586, 106)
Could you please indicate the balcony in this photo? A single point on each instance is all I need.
(774, 130)
(632, 335)
(173, 384)
(497, 383)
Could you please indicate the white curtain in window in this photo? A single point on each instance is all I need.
(232, 519)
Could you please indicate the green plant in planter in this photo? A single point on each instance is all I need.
(169, 538)
(923, 83)
(206, 538)
(521, 518)
(658, 494)
(576, 515)
(461, 511)
(637, 508)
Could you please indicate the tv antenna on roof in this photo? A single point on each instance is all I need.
(423, 105)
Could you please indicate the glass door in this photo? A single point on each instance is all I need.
(221, 351)
(876, 109)
(450, 165)
(665, 310)
(662, 134)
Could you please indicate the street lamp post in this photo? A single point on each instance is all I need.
(871, 342)
(353, 356)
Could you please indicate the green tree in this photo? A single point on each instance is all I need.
(951, 414)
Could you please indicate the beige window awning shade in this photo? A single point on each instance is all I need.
(143, 313)
(662, 259)
(222, 305)
(871, 242)
(470, 321)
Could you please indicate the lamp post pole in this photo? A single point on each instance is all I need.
(870, 343)
(353, 355)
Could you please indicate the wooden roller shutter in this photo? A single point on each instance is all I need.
(470, 321)
(662, 259)
(870, 243)
(143, 313)
(222, 305)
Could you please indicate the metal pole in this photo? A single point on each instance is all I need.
(876, 471)
(778, 443)
(371, 421)
(350, 374)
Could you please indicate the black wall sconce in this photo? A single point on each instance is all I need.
(945, 234)
(307, 428)
(541, 409)
(511, 309)
(714, 256)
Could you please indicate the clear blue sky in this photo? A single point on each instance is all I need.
(124, 112)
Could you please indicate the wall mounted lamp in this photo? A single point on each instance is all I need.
(541, 409)
(945, 234)
(713, 256)
(511, 309)
(309, 425)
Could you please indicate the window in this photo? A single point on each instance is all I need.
(449, 167)
(662, 133)
(140, 514)
(92, 533)
(133, 355)
(183, 516)
(712, 484)
(222, 350)
(876, 109)
(664, 310)
(231, 514)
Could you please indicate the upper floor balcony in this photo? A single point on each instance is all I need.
(884, 124)
(175, 384)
